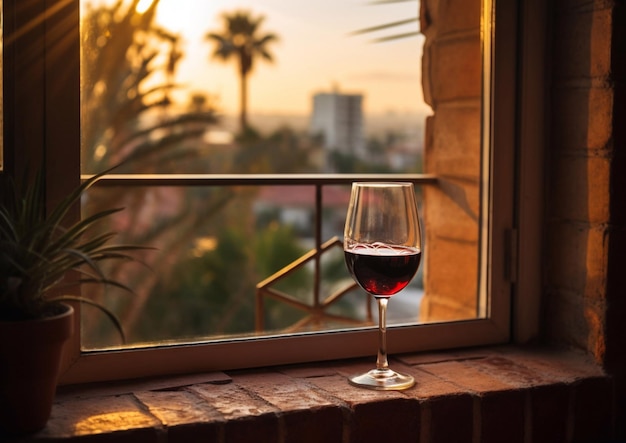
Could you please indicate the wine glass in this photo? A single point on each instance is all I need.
(382, 247)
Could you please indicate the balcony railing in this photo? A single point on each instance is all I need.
(316, 311)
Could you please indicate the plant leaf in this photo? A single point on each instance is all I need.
(103, 309)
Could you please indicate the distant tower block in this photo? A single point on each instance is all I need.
(339, 118)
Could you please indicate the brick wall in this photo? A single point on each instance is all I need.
(586, 191)
(451, 70)
(579, 161)
(584, 241)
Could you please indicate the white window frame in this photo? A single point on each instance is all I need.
(55, 133)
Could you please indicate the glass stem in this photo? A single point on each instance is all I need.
(381, 361)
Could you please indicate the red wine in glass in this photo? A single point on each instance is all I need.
(382, 270)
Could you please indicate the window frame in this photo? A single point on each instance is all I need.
(42, 78)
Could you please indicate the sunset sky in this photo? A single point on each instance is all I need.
(315, 54)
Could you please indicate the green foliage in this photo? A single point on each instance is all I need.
(350, 164)
(278, 246)
(281, 152)
(37, 250)
(211, 294)
(204, 295)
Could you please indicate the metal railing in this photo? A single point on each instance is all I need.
(317, 310)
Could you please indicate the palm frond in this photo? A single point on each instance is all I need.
(396, 37)
(385, 26)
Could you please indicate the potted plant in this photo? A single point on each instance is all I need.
(40, 256)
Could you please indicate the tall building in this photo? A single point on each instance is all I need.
(339, 118)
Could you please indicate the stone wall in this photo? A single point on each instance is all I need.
(451, 78)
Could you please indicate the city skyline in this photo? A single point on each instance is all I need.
(316, 53)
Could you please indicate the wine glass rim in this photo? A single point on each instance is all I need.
(388, 183)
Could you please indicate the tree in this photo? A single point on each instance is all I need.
(242, 40)
(128, 68)
(125, 104)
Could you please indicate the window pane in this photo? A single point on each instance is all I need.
(168, 88)
(162, 93)
(213, 245)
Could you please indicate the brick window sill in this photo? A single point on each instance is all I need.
(491, 394)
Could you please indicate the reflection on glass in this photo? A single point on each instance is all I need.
(161, 93)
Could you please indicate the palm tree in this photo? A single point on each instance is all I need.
(240, 39)
(129, 117)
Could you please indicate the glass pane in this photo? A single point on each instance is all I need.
(336, 97)
(165, 87)
(213, 245)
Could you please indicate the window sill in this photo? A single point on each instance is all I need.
(486, 394)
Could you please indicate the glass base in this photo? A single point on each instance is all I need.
(382, 380)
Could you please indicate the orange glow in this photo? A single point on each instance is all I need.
(315, 53)
(143, 6)
(111, 421)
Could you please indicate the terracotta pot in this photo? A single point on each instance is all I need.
(30, 357)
